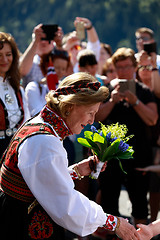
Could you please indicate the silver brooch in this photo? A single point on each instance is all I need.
(8, 99)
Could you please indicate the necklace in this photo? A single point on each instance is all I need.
(8, 98)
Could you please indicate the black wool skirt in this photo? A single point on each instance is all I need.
(16, 223)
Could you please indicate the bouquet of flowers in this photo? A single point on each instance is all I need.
(108, 142)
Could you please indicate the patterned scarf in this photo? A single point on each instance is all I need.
(56, 122)
(81, 87)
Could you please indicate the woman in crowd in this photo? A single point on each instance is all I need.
(13, 107)
(54, 66)
(43, 197)
(105, 53)
(109, 71)
(147, 73)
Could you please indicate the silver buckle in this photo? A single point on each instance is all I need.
(9, 132)
(14, 130)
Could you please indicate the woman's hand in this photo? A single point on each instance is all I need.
(86, 21)
(38, 34)
(126, 231)
(86, 166)
(144, 231)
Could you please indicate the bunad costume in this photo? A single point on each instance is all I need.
(13, 112)
(37, 189)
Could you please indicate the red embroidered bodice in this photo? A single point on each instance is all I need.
(11, 180)
(4, 123)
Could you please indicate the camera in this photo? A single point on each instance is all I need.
(150, 47)
(50, 31)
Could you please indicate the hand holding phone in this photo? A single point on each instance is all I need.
(150, 47)
(50, 31)
(80, 30)
(127, 85)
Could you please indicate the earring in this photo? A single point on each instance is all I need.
(67, 113)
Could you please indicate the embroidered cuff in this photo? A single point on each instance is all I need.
(112, 223)
(75, 173)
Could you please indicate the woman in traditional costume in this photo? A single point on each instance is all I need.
(13, 105)
(37, 195)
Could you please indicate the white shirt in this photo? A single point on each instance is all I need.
(7, 95)
(35, 97)
(43, 163)
(35, 73)
(95, 47)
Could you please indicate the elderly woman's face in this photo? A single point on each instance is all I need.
(6, 58)
(80, 116)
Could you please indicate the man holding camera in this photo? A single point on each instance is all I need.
(40, 44)
(145, 42)
(137, 110)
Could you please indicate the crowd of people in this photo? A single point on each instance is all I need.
(49, 96)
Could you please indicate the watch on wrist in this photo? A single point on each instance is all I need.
(136, 103)
(89, 28)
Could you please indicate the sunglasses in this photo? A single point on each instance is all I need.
(143, 38)
(147, 67)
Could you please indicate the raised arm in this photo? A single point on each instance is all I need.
(92, 35)
(26, 59)
(93, 42)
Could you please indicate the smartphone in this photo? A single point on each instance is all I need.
(50, 31)
(123, 83)
(80, 29)
(150, 47)
(127, 85)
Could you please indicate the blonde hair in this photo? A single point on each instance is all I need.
(144, 30)
(88, 96)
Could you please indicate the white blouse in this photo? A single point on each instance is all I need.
(43, 163)
(7, 95)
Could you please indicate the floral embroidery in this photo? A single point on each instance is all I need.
(111, 223)
(73, 174)
(56, 121)
(40, 226)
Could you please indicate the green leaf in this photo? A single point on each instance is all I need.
(88, 134)
(94, 145)
(110, 151)
(120, 164)
(125, 155)
(84, 142)
(98, 138)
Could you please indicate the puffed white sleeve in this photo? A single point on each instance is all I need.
(43, 163)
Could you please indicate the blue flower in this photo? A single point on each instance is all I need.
(109, 139)
(123, 146)
(113, 139)
(108, 136)
(94, 129)
(101, 133)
